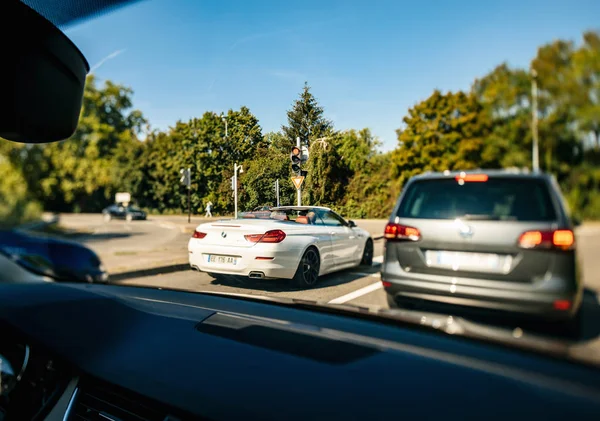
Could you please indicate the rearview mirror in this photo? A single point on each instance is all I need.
(42, 78)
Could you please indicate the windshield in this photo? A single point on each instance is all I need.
(270, 149)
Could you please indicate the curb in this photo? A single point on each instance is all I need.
(138, 273)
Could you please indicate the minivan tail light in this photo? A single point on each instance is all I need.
(398, 232)
(199, 235)
(552, 239)
(272, 236)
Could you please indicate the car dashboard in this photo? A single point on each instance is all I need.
(98, 352)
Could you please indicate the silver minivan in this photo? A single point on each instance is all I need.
(496, 240)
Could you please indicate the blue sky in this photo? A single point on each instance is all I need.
(367, 62)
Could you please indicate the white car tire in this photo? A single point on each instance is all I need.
(307, 273)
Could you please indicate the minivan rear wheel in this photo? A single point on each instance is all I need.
(391, 301)
(572, 328)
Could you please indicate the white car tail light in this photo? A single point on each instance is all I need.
(272, 236)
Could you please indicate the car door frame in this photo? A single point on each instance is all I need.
(324, 243)
(341, 237)
(354, 243)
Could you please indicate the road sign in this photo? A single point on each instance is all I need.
(123, 197)
(298, 180)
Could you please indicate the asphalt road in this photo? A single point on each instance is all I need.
(154, 253)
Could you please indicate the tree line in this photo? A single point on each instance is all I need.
(488, 126)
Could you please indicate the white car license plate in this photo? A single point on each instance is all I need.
(224, 260)
(459, 260)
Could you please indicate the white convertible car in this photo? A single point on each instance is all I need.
(293, 242)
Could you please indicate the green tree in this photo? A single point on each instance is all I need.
(356, 148)
(201, 145)
(277, 141)
(370, 192)
(327, 175)
(82, 173)
(306, 119)
(444, 132)
(505, 96)
(258, 181)
(586, 63)
(156, 185)
(16, 203)
(557, 88)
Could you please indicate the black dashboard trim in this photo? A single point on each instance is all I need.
(275, 338)
(156, 351)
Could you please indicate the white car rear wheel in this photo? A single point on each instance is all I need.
(307, 273)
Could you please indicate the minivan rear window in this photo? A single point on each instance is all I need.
(510, 199)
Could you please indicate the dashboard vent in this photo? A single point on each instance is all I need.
(109, 403)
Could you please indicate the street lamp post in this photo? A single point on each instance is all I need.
(534, 122)
(236, 167)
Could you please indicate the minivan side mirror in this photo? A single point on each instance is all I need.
(576, 221)
(42, 78)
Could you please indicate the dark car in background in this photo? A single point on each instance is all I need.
(119, 211)
(50, 257)
(494, 240)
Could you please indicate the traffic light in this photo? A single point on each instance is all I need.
(186, 177)
(296, 159)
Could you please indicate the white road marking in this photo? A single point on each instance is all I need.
(358, 293)
(378, 259)
(167, 226)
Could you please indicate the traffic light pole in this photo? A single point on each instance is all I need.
(189, 205)
(534, 123)
(236, 168)
(235, 191)
(299, 191)
(186, 178)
